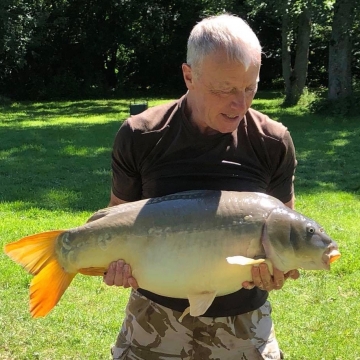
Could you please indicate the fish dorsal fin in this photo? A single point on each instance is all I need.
(116, 210)
(99, 214)
(199, 303)
(242, 260)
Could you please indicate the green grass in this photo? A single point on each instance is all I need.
(55, 172)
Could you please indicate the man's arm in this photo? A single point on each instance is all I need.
(115, 200)
(291, 204)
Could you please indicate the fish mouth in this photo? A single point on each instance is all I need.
(330, 256)
(334, 255)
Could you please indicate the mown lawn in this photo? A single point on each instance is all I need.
(55, 172)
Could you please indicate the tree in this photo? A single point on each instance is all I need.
(295, 75)
(340, 79)
(97, 48)
(294, 22)
(17, 21)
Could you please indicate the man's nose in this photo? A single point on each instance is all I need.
(238, 102)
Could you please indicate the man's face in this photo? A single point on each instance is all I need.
(220, 93)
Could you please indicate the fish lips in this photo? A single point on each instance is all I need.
(331, 255)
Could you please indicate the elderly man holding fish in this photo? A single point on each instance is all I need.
(208, 139)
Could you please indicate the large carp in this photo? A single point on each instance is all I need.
(194, 244)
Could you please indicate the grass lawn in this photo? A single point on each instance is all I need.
(55, 172)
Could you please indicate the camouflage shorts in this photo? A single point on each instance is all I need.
(153, 332)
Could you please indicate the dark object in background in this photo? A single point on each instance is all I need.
(137, 108)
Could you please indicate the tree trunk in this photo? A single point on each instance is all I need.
(110, 69)
(302, 53)
(340, 50)
(285, 48)
(295, 77)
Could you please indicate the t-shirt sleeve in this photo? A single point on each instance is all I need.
(281, 184)
(126, 179)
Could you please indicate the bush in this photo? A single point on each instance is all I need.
(348, 106)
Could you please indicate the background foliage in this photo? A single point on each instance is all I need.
(99, 48)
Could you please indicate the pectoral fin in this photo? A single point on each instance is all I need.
(242, 260)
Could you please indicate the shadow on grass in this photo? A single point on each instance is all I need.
(328, 153)
(58, 167)
(68, 167)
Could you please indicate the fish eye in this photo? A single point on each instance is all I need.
(311, 230)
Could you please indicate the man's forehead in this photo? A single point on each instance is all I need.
(221, 84)
(215, 82)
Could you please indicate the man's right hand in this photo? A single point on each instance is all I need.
(119, 274)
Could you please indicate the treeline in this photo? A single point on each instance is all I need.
(51, 49)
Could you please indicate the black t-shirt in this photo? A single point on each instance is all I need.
(159, 152)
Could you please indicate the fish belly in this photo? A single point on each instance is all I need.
(181, 264)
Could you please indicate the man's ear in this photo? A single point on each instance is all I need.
(188, 76)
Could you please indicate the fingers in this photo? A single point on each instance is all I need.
(278, 279)
(292, 274)
(248, 285)
(128, 279)
(263, 279)
(133, 283)
(114, 274)
(119, 274)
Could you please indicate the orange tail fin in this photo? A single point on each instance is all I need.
(36, 253)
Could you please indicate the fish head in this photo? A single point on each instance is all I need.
(293, 241)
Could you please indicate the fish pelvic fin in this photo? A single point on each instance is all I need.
(199, 303)
(36, 253)
(186, 312)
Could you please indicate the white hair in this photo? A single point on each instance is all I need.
(223, 32)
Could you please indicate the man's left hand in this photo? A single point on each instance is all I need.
(265, 281)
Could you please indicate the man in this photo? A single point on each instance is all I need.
(208, 139)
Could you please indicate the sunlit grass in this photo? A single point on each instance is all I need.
(55, 172)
